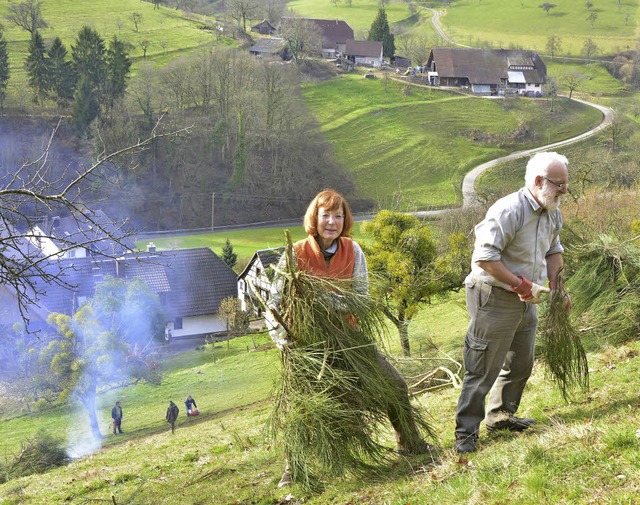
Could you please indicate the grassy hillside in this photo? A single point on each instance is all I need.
(582, 452)
(169, 32)
(359, 16)
(427, 138)
(524, 24)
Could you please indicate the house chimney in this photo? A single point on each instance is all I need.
(151, 248)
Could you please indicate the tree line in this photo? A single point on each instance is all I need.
(91, 80)
(254, 153)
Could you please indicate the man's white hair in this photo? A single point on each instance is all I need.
(539, 164)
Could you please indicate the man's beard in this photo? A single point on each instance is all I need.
(549, 198)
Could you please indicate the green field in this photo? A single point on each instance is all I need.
(244, 242)
(415, 149)
(169, 32)
(524, 24)
(580, 452)
(359, 16)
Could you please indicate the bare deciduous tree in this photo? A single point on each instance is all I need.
(32, 191)
(554, 43)
(242, 11)
(589, 48)
(136, 17)
(144, 45)
(303, 36)
(27, 15)
(572, 80)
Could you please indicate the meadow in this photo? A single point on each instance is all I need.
(584, 451)
(524, 24)
(429, 137)
(359, 15)
(167, 32)
(581, 452)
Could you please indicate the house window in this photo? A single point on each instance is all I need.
(177, 323)
(258, 272)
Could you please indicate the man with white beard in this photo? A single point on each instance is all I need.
(517, 249)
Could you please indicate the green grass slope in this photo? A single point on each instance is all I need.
(413, 144)
(359, 16)
(581, 452)
(524, 24)
(169, 32)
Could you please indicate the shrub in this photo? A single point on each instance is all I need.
(38, 454)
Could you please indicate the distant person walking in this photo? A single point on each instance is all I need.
(517, 249)
(116, 416)
(172, 415)
(192, 407)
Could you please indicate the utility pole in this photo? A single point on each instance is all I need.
(213, 206)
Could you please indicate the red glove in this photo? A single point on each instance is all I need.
(524, 288)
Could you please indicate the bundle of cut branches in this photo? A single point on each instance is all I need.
(333, 394)
(562, 350)
(605, 287)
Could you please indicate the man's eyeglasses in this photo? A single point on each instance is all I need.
(559, 185)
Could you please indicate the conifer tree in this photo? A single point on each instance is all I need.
(89, 60)
(61, 79)
(37, 67)
(85, 107)
(228, 256)
(118, 66)
(4, 69)
(380, 31)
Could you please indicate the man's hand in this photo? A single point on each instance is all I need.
(530, 291)
(567, 304)
(537, 292)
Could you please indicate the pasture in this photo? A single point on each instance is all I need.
(166, 32)
(580, 452)
(524, 24)
(428, 138)
(359, 15)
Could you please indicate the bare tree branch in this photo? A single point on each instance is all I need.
(30, 249)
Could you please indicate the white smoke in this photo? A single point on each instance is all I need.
(80, 440)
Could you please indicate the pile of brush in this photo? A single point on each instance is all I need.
(332, 397)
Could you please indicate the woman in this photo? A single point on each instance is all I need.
(328, 252)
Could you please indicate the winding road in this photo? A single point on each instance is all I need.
(469, 197)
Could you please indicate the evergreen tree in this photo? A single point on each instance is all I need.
(118, 66)
(228, 256)
(380, 31)
(4, 69)
(85, 107)
(37, 67)
(89, 60)
(61, 79)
